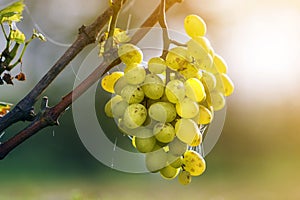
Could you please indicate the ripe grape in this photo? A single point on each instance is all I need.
(204, 116)
(164, 132)
(194, 163)
(145, 145)
(134, 116)
(177, 57)
(162, 112)
(136, 74)
(187, 108)
(119, 108)
(169, 172)
(175, 91)
(153, 86)
(130, 53)
(184, 178)
(156, 160)
(194, 89)
(194, 26)
(110, 104)
(186, 130)
(196, 141)
(228, 85)
(220, 64)
(209, 79)
(189, 70)
(217, 100)
(109, 81)
(120, 84)
(177, 147)
(157, 65)
(132, 94)
(176, 162)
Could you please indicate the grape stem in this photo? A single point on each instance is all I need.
(49, 115)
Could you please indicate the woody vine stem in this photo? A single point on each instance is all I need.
(48, 116)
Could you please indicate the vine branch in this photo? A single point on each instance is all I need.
(49, 116)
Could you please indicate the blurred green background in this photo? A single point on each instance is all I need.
(257, 155)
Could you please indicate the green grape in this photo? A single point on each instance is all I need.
(194, 89)
(134, 116)
(228, 85)
(109, 81)
(189, 70)
(164, 132)
(119, 85)
(205, 116)
(119, 108)
(209, 79)
(186, 130)
(220, 64)
(194, 26)
(132, 94)
(175, 162)
(136, 75)
(156, 160)
(157, 65)
(153, 86)
(130, 53)
(169, 172)
(194, 163)
(162, 112)
(110, 104)
(175, 91)
(145, 145)
(184, 178)
(177, 57)
(217, 100)
(187, 108)
(177, 147)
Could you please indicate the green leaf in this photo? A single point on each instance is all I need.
(17, 36)
(13, 12)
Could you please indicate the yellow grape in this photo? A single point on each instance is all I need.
(175, 91)
(217, 100)
(110, 104)
(119, 108)
(220, 64)
(120, 84)
(164, 132)
(145, 145)
(132, 94)
(194, 89)
(177, 57)
(109, 81)
(184, 178)
(205, 116)
(228, 85)
(156, 160)
(186, 130)
(169, 172)
(130, 53)
(196, 141)
(209, 79)
(176, 162)
(162, 112)
(194, 163)
(189, 70)
(187, 108)
(135, 75)
(177, 147)
(157, 65)
(133, 141)
(153, 86)
(134, 116)
(194, 26)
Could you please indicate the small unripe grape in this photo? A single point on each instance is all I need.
(164, 132)
(153, 86)
(187, 108)
(162, 112)
(134, 116)
(157, 65)
(109, 81)
(132, 94)
(194, 26)
(130, 53)
(184, 178)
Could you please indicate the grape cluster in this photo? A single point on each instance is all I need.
(162, 104)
